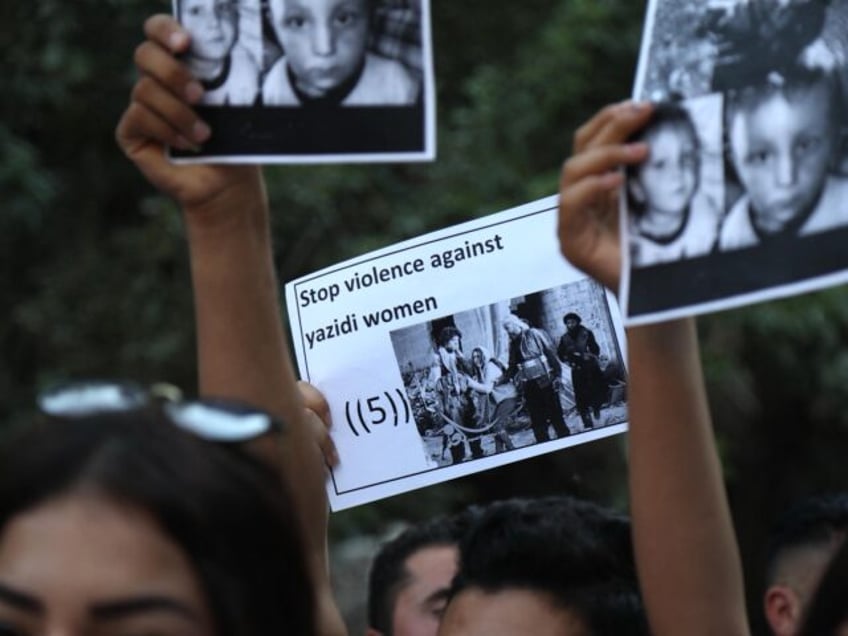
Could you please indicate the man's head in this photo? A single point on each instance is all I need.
(553, 566)
(324, 41)
(411, 576)
(450, 338)
(827, 613)
(782, 133)
(571, 320)
(801, 545)
(514, 325)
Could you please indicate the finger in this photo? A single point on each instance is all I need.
(598, 161)
(141, 129)
(628, 119)
(315, 401)
(149, 94)
(588, 130)
(321, 434)
(615, 126)
(597, 193)
(156, 62)
(167, 32)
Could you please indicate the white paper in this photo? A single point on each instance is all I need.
(766, 183)
(378, 378)
(356, 84)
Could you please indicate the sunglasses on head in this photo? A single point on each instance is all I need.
(215, 420)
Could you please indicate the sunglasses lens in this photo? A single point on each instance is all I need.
(90, 398)
(219, 422)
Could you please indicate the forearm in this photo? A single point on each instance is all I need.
(686, 551)
(242, 349)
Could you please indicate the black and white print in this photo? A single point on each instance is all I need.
(744, 196)
(312, 81)
(515, 373)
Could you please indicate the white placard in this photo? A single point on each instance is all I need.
(745, 195)
(409, 408)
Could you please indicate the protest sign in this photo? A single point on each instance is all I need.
(298, 81)
(447, 354)
(744, 197)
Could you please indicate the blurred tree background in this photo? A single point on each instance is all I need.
(94, 276)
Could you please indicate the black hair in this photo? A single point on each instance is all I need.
(388, 573)
(576, 553)
(812, 522)
(225, 510)
(447, 334)
(827, 610)
(571, 316)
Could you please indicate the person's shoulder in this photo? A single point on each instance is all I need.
(830, 212)
(243, 82)
(702, 228)
(539, 334)
(384, 82)
(736, 229)
(276, 88)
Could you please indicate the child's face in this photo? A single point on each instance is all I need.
(212, 24)
(782, 150)
(324, 40)
(669, 176)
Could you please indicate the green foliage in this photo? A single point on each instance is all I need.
(94, 279)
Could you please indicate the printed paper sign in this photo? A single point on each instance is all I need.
(744, 197)
(303, 81)
(458, 351)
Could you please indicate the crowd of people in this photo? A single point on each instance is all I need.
(479, 398)
(126, 510)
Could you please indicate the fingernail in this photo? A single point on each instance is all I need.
(636, 149)
(193, 91)
(640, 107)
(177, 40)
(200, 132)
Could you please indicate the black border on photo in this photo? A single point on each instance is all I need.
(272, 131)
(766, 269)
(295, 134)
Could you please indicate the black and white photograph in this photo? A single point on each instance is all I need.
(519, 372)
(756, 87)
(226, 48)
(312, 81)
(676, 197)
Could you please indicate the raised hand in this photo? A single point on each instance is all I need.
(589, 189)
(161, 113)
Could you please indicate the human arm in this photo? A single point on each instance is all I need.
(242, 351)
(686, 553)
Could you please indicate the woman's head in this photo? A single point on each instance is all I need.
(663, 185)
(478, 356)
(324, 41)
(218, 542)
